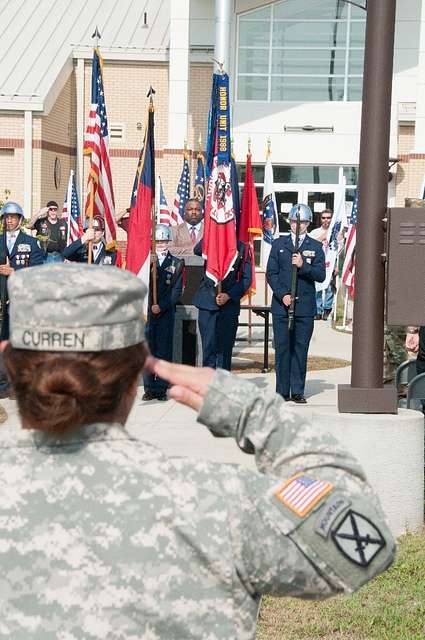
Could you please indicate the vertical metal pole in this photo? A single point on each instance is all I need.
(223, 12)
(368, 320)
(28, 164)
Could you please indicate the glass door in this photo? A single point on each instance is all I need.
(318, 198)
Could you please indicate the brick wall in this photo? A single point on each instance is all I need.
(411, 167)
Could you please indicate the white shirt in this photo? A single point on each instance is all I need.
(161, 255)
(11, 239)
(301, 238)
(197, 227)
(96, 250)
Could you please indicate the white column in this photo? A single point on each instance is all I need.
(28, 163)
(178, 86)
(79, 163)
(223, 13)
(420, 96)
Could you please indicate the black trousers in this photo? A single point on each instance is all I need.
(420, 361)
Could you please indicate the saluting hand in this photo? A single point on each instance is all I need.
(189, 385)
(87, 236)
(155, 308)
(297, 260)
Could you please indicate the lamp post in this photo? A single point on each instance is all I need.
(367, 394)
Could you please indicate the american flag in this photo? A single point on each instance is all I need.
(301, 493)
(163, 214)
(349, 267)
(100, 194)
(182, 194)
(71, 211)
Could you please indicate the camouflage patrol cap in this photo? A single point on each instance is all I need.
(75, 307)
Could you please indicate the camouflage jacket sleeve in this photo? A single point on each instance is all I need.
(307, 523)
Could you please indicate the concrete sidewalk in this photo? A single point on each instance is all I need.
(174, 429)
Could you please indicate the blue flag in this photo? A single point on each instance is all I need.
(218, 136)
(199, 189)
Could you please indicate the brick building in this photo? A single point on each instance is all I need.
(296, 73)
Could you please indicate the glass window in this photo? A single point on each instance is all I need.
(315, 51)
(351, 174)
(309, 34)
(305, 89)
(254, 61)
(254, 34)
(252, 88)
(308, 61)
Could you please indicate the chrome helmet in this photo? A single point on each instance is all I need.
(12, 207)
(305, 213)
(162, 232)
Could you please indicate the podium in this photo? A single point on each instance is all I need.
(187, 346)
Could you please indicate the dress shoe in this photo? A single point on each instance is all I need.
(299, 399)
(318, 317)
(148, 395)
(161, 397)
(286, 398)
(326, 314)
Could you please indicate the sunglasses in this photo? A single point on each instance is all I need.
(326, 218)
(53, 208)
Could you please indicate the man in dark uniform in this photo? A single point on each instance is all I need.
(292, 347)
(52, 232)
(78, 250)
(17, 251)
(160, 324)
(219, 312)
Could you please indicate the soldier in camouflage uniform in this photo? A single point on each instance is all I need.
(394, 350)
(104, 536)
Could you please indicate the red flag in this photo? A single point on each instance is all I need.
(250, 226)
(219, 247)
(139, 238)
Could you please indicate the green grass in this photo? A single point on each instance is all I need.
(391, 607)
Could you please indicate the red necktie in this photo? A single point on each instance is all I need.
(193, 235)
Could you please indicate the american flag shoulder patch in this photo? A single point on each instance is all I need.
(302, 492)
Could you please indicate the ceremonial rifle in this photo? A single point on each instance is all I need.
(294, 276)
(3, 281)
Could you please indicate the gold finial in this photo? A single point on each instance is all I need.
(269, 145)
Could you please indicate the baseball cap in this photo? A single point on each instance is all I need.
(75, 307)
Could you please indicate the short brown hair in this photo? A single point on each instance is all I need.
(61, 391)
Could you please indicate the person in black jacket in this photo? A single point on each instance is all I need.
(160, 324)
(78, 250)
(291, 348)
(218, 313)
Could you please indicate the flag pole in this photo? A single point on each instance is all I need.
(153, 220)
(266, 286)
(96, 35)
(250, 294)
(344, 319)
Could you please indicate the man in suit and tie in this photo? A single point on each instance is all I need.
(77, 251)
(291, 347)
(17, 251)
(187, 234)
